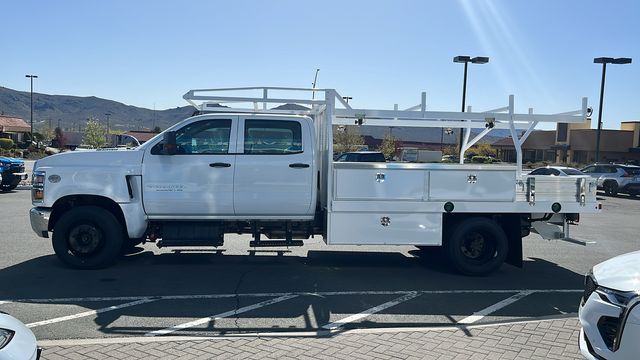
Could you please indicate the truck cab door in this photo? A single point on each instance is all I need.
(274, 174)
(197, 181)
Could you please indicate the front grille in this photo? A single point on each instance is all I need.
(16, 168)
(609, 327)
(589, 287)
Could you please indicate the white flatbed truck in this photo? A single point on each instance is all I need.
(271, 173)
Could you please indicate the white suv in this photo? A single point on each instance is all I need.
(616, 178)
(609, 314)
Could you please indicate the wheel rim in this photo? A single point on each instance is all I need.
(477, 247)
(85, 240)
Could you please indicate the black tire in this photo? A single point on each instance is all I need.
(477, 246)
(9, 182)
(611, 188)
(87, 237)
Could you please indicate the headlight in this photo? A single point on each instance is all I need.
(621, 298)
(5, 337)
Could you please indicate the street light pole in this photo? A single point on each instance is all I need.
(604, 61)
(466, 60)
(31, 77)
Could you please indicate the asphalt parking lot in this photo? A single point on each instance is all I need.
(153, 292)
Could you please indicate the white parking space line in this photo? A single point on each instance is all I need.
(221, 315)
(90, 313)
(495, 307)
(337, 324)
(320, 293)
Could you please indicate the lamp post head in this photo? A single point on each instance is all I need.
(622, 61)
(610, 60)
(461, 59)
(32, 76)
(480, 60)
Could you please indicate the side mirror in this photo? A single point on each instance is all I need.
(169, 146)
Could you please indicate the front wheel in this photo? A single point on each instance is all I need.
(87, 237)
(477, 246)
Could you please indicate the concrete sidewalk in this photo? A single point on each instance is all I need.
(542, 339)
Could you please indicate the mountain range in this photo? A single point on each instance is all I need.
(72, 112)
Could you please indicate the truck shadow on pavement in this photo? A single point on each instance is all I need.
(328, 286)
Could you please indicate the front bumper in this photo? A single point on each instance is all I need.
(39, 218)
(626, 328)
(21, 176)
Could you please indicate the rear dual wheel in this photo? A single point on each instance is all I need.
(477, 246)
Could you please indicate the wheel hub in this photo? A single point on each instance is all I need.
(84, 239)
(473, 246)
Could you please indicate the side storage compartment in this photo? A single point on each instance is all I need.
(472, 185)
(385, 228)
(558, 188)
(380, 184)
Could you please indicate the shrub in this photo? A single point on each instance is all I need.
(6, 144)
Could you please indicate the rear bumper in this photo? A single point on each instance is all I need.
(39, 218)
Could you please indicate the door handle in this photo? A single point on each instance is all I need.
(298, 165)
(220, 164)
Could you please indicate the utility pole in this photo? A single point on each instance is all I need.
(315, 79)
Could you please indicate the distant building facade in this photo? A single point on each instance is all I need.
(576, 143)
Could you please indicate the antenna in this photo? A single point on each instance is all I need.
(313, 93)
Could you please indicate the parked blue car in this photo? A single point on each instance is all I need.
(11, 173)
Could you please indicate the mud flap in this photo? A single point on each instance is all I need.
(512, 226)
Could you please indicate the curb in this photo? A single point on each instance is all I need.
(317, 334)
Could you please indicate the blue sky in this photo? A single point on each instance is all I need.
(147, 53)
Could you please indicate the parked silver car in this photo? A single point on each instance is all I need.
(616, 178)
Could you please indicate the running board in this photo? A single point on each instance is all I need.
(188, 242)
(275, 243)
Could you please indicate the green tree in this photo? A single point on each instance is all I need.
(389, 146)
(484, 150)
(94, 134)
(157, 130)
(347, 138)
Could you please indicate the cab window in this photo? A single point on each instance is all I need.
(201, 137)
(272, 137)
